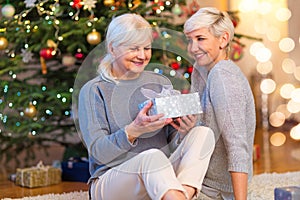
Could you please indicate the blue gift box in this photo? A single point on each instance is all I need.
(75, 169)
(287, 193)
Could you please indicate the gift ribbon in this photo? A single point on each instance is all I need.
(166, 91)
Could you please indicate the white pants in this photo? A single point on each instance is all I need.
(150, 174)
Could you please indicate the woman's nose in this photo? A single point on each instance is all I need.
(193, 46)
(141, 54)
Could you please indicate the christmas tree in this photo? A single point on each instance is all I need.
(44, 42)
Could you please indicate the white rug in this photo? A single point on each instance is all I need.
(263, 185)
(261, 188)
(82, 195)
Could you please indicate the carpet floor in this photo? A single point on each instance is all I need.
(261, 188)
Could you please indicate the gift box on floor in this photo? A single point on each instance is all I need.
(75, 169)
(38, 176)
(172, 104)
(287, 193)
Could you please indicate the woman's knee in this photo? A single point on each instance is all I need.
(203, 136)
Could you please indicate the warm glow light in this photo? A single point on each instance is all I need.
(288, 65)
(267, 86)
(277, 139)
(283, 109)
(273, 34)
(297, 73)
(295, 132)
(255, 46)
(286, 44)
(283, 14)
(264, 8)
(264, 68)
(263, 55)
(293, 107)
(286, 90)
(261, 26)
(248, 5)
(295, 95)
(277, 119)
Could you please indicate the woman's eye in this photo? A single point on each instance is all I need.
(200, 39)
(147, 48)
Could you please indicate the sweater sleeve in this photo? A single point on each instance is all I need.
(102, 145)
(229, 104)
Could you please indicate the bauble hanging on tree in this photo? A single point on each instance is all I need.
(8, 11)
(77, 4)
(237, 52)
(93, 37)
(45, 54)
(30, 111)
(3, 43)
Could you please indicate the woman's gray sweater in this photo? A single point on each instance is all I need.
(228, 109)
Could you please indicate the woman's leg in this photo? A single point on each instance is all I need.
(148, 175)
(191, 158)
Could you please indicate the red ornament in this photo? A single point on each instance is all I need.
(46, 53)
(175, 65)
(190, 69)
(236, 52)
(79, 55)
(235, 23)
(157, 5)
(76, 4)
(155, 35)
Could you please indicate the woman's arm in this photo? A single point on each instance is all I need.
(240, 185)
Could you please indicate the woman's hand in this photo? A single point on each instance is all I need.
(144, 123)
(184, 124)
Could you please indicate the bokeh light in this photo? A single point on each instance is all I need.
(297, 73)
(295, 95)
(295, 132)
(267, 86)
(277, 119)
(293, 107)
(283, 109)
(286, 90)
(288, 65)
(286, 45)
(277, 139)
(283, 14)
(264, 68)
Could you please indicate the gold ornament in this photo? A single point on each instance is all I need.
(108, 2)
(30, 111)
(93, 37)
(3, 43)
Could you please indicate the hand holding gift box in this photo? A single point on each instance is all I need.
(172, 103)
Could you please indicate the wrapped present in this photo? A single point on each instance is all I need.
(172, 103)
(287, 193)
(38, 176)
(75, 169)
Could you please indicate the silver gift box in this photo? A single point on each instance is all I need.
(176, 105)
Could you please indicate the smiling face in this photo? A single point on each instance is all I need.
(207, 49)
(130, 60)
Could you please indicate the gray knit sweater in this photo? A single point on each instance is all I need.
(105, 108)
(228, 106)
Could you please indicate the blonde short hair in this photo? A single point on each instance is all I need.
(218, 22)
(126, 29)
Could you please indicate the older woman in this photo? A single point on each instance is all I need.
(130, 151)
(227, 103)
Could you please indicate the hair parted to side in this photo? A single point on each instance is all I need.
(126, 29)
(218, 22)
